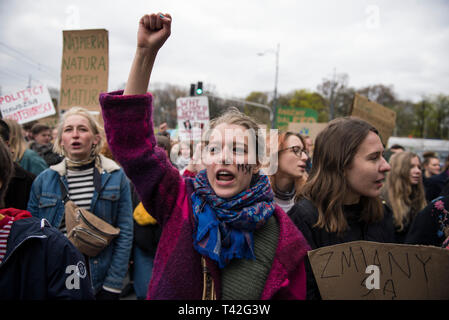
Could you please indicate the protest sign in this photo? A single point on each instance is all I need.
(307, 129)
(404, 271)
(27, 105)
(193, 117)
(382, 118)
(287, 114)
(84, 70)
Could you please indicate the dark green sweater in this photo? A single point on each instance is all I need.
(244, 279)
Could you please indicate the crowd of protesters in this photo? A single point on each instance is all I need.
(204, 221)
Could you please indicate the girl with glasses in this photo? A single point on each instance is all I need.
(291, 173)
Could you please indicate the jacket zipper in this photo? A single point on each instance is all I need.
(89, 233)
(92, 226)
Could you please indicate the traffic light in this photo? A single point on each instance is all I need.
(192, 89)
(199, 88)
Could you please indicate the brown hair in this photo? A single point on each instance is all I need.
(427, 156)
(6, 170)
(404, 198)
(326, 187)
(282, 138)
(38, 128)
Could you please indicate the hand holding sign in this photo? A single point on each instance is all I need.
(154, 30)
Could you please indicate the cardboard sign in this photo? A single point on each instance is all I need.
(287, 114)
(382, 118)
(27, 105)
(307, 129)
(84, 70)
(193, 117)
(405, 271)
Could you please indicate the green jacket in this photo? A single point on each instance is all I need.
(32, 162)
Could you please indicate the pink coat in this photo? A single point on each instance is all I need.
(177, 272)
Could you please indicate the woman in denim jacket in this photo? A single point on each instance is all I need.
(94, 183)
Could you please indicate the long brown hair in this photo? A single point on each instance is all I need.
(326, 187)
(404, 198)
(282, 138)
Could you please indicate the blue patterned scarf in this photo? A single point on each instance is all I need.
(224, 227)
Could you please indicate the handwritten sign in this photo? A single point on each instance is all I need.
(84, 70)
(287, 114)
(307, 129)
(193, 117)
(382, 118)
(27, 105)
(406, 271)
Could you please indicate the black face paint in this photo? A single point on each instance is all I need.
(245, 168)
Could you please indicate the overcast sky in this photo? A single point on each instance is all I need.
(403, 43)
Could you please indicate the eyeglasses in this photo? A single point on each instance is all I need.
(297, 150)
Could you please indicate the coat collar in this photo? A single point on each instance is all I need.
(292, 248)
(107, 165)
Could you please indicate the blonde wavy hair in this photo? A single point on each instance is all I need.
(405, 199)
(93, 125)
(17, 143)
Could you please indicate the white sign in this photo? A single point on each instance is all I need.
(27, 105)
(193, 117)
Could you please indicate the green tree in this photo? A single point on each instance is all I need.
(422, 110)
(305, 99)
(437, 120)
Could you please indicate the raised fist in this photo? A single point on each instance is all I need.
(154, 30)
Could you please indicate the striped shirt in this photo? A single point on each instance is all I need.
(4, 234)
(81, 189)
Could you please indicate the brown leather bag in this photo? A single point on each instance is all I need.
(89, 234)
(86, 231)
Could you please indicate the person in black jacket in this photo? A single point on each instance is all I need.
(340, 200)
(36, 261)
(431, 225)
(436, 184)
(41, 144)
(19, 187)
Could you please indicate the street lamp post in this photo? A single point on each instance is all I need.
(273, 120)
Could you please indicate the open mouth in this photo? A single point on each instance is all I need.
(224, 176)
(76, 145)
